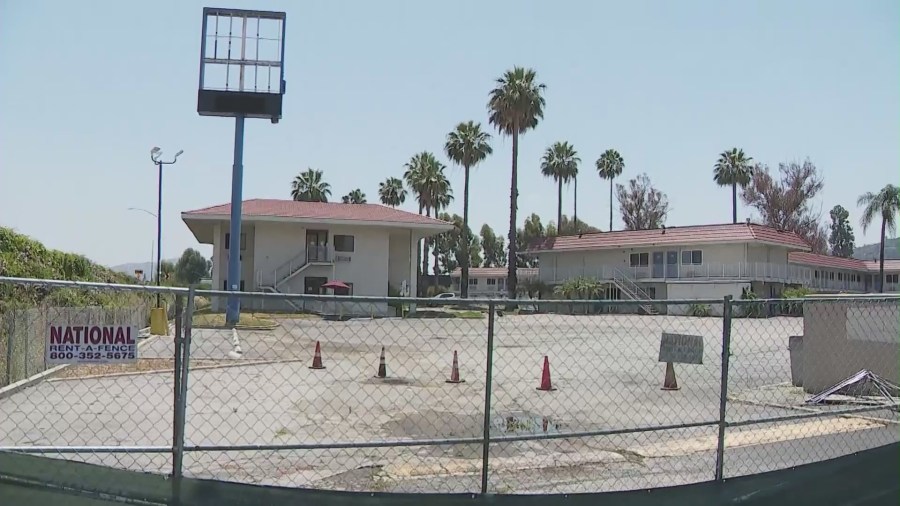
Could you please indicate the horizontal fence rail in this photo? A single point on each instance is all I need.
(451, 395)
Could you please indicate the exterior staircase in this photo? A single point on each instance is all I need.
(288, 270)
(633, 291)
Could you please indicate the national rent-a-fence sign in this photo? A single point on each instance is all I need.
(91, 344)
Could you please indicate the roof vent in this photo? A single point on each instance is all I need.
(663, 230)
(748, 220)
(579, 235)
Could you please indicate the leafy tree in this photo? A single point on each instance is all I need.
(451, 247)
(309, 187)
(786, 203)
(191, 267)
(642, 206)
(733, 169)
(886, 204)
(516, 105)
(391, 192)
(560, 162)
(532, 229)
(610, 166)
(167, 272)
(494, 247)
(467, 145)
(841, 238)
(354, 197)
(569, 227)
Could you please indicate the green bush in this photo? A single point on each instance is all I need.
(793, 308)
(699, 310)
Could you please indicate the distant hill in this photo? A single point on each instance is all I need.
(24, 257)
(870, 251)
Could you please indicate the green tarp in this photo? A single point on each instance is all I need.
(867, 478)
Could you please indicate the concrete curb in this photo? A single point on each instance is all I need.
(11, 389)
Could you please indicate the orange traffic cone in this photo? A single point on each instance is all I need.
(317, 358)
(382, 366)
(454, 371)
(545, 377)
(669, 383)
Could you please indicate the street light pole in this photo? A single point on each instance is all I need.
(156, 156)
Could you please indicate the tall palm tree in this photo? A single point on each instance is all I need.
(733, 169)
(560, 162)
(439, 195)
(354, 197)
(515, 105)
(610, 166)
(425, 176)
(467, 145)
(885, 203)
(309, 187)
(391, 192)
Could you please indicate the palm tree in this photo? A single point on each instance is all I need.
(354, 197)
(391, 192)
(560, 162)
(885, 203)
(610, 166)
(515, 105)
(733, 168)
(425, 176)
(467, 145)
(309, 187)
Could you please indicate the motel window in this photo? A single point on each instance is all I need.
(640, 259)
(343, 243)
(831, 275)
(473, 281)
(840, 276)
(691, 257)
(243, 241)
(892, 278)
(491, 281)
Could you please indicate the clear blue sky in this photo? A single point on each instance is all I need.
(86, 91)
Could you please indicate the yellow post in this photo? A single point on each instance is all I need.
(159, 324)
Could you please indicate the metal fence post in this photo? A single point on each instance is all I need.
(10, 327)
(177, 455)
(723, 385)
(488, 380)
(181, 407)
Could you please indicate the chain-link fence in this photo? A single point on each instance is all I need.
(426, 395)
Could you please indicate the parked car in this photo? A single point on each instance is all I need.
(445, 295)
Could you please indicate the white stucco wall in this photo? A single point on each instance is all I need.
(276, 244)
(222, 256)
(399, 264)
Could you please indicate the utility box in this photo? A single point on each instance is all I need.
(242, 63)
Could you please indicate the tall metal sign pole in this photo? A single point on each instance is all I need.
(241, 76)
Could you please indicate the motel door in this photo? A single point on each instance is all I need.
(671, 264)
(659, 266)
(316, 245)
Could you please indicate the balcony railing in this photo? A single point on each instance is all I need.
(750, 271)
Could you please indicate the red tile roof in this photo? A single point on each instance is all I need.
(496, 272)
(828, 261)
(693, 234)
(319, 210)
(833, 262)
